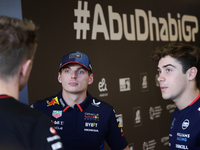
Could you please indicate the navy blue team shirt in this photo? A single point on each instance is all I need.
(86, 126)
(185, 128)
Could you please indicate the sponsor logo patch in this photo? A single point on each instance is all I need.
(52, 130)
(96, 103)
(75, 55)
(56, 113)
(185, 124)
(91, 116)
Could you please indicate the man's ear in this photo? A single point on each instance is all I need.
(59, 78)
(91, 79)
(25, 68)
(24, 73)
(192, 72)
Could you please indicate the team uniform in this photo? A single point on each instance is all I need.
(23, 128)
(86, 126)
(185, 128)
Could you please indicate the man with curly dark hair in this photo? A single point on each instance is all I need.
(179, 77)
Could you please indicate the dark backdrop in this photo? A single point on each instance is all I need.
(119, 37)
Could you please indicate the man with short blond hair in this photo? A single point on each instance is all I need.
(21, 127)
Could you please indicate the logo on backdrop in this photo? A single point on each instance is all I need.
(124, 84)
(143, 81)
(174, 27)
(155, 112)
(171, 107)
(165, 140)
(103, 88)
(150, 145)
(131, 146)
(137, 117)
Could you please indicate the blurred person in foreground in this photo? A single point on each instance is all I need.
(82, 121)
(21, 127)
(179, 80)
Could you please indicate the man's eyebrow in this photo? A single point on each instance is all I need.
(167, 66)
(80, 68)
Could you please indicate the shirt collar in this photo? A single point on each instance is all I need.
(81, 106)
(86, 102)
(195, 100)
(4, 96)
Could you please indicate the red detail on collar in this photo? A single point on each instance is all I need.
(65, 108)
(4, 96)
(195, 100)
(80, 107)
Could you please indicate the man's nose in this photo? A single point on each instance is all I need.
(161, 77)
(73, 74)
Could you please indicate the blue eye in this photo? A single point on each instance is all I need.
(80, 72)
(67, 71)
(168, 70)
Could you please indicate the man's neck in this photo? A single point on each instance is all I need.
(74, 98)
(9, 88)
(186, 99)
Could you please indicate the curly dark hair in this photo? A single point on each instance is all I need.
(187, 55)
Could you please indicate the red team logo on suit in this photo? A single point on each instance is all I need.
(53, 102)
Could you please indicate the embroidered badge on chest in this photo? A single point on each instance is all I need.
(56, 113)
(185, 124)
